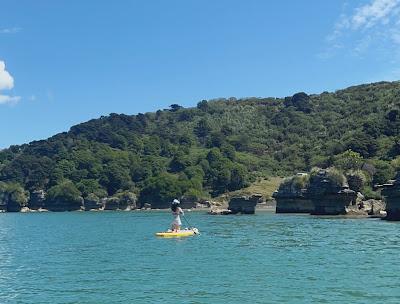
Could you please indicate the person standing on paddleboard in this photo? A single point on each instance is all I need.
(176, 212)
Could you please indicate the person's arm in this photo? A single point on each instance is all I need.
(181, 211)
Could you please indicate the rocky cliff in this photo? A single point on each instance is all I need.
(391, 193)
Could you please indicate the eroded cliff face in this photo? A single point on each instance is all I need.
(391, 193)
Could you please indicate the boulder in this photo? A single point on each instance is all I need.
(374, 207)
(218, 211)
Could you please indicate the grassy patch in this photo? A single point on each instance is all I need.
(265, 187)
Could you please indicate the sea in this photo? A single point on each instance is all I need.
(115, 257)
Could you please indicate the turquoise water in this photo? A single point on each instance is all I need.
(113, 257)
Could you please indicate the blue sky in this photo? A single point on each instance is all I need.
(65, 62)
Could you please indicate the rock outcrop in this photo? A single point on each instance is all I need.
(92, 202)
(13, 198)
(218, 211)
(189, 202)
(330, 194)
(291, 197)
(323, 192)
(37, 200)
(121, 201)
(59, 205)
(391, 193)
(244, 204)
(127, 200)
(110, 203)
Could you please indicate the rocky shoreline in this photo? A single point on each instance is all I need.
(323, 194)
(124, 201)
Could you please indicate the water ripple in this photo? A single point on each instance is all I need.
(114, 258)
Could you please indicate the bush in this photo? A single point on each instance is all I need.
(370, 194)
(384, 172)
(357, 180)
(66, 192)
(348, 160)
(336, 176)
(295, 183)
(14, 193)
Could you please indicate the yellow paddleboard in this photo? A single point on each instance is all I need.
(180, 233)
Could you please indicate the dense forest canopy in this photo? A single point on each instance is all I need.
(220, 145)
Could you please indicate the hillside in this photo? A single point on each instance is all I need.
(219, 146)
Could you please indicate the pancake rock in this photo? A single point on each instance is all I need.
(391, 193)
(244, 204)
(291, 196)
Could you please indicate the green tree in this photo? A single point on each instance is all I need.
(384, 172)
(348, 160)
(203, 128)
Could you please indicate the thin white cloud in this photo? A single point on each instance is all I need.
(11, 100)
(6, 83)
(378, 11)
(11, 30)
(374, 25)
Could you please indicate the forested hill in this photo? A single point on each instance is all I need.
(218, 146)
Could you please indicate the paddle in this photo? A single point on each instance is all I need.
(195, 230)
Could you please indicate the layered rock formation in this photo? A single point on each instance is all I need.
(331, 194)
(244, 204)
(324, 192)
(291, 197)
(60, 204)
(391, 193)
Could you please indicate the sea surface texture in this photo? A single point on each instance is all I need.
(114, 257)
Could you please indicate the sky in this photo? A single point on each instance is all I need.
(65, 62)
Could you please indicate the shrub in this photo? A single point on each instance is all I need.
(357, 180)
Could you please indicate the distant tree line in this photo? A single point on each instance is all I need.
(221, 145)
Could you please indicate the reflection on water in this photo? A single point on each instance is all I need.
(113, 257)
